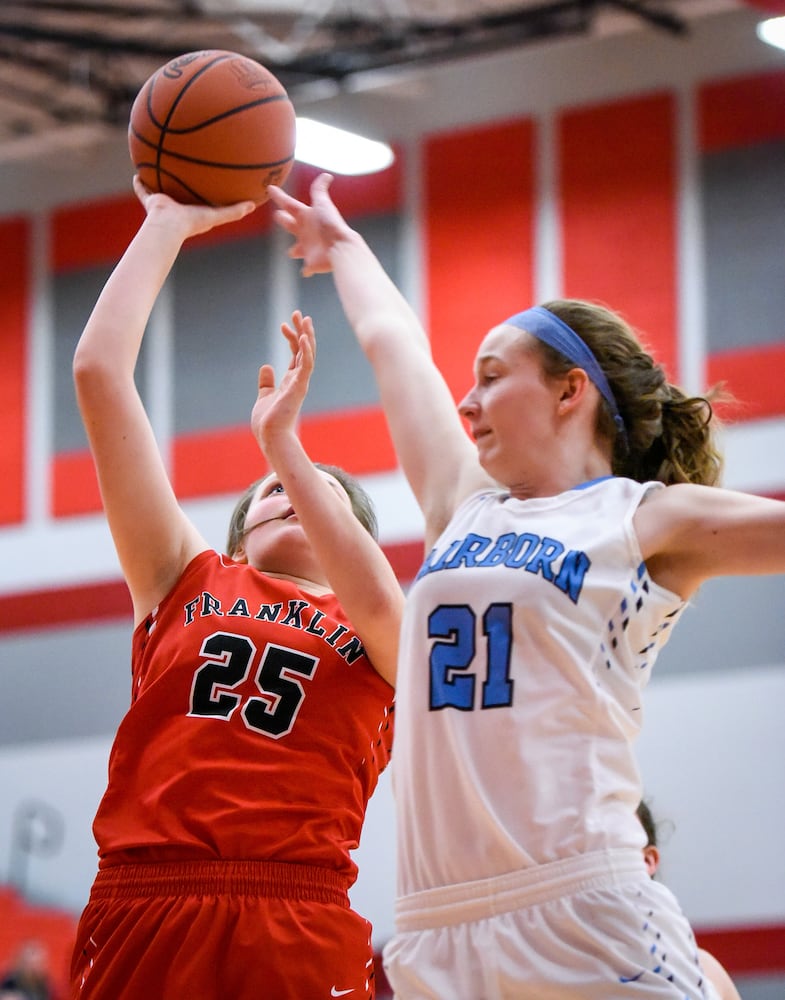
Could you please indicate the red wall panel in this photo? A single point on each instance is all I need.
(753, 376)
(478, 219)
(733, 114)
(742, 111)
(93, 233)
(618, 195)
(74, 484)
(14, 292)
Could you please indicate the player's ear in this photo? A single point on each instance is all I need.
(572, 387)
(239, 555)
(651, 858)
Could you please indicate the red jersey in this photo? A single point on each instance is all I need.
(257, 729)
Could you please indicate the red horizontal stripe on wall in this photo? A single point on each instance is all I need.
(747, 950)
(97, 233)
(357, 440)
(222, 461)
(216, 461)
(227, 460)
(80, 604)
(617, 165)
(74, 484)
(93, 233)
(14, 257)
(742, 111)
(755, 377)
(73, 605)
(478, 218)
(406, 558)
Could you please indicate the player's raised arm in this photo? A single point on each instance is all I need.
(355, 566)
(441, 465)
(153, 537)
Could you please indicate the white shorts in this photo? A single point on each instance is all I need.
(594, 927)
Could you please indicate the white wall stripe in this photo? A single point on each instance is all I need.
(690, 261)
(273, 348)
(40, 383)
(548, 263)
(159, 348)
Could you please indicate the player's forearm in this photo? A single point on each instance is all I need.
(382, 319)
(355, 566)
(114, 331)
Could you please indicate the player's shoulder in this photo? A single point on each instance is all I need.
(718, 976)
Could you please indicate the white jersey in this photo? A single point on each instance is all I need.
(529, 635)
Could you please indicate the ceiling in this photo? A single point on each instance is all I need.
(67, 65)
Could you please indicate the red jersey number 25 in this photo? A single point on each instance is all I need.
(228, 661)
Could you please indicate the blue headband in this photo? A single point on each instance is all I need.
(547, 327)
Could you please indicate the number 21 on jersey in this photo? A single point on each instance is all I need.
(455, 661)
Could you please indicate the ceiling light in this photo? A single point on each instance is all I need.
(339, 151)
(772, 31)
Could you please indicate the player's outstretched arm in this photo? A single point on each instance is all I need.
(689, 533)
(435, 453)
(355, 566)
(153, 538)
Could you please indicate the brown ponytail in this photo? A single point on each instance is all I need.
(670, 436)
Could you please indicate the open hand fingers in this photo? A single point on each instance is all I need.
(283, 200)
(307, 330)
(285, 220)
(306, 352)
(320, 187)
(292, 338)
(303, 327)
(266, 378)
(302, 343)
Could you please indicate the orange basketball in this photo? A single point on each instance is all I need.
(213, 128)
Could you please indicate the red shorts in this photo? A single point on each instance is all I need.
(221, 929)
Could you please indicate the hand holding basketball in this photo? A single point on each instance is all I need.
(189, 220)
(212, 128)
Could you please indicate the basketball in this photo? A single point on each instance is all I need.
(212, 128)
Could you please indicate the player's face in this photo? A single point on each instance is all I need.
(274, 539)
(509, 409)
